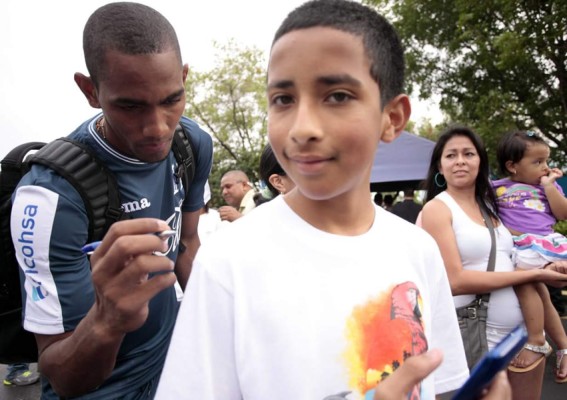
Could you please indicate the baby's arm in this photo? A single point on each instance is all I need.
(557, 201)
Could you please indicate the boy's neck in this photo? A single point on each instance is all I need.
(347, 215)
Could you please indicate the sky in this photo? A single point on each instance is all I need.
(41, 49)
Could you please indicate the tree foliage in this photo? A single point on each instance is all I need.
(497, 65)
(229, 101)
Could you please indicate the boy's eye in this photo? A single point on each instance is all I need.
(282, 100)
(339, 97)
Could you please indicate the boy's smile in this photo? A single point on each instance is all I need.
(325, 118)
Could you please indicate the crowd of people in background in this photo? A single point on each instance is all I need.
(271, 319)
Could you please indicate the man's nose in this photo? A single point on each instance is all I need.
(156, 124)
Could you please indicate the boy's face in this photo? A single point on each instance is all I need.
(324, 117)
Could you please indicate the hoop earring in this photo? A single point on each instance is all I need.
(436, 179)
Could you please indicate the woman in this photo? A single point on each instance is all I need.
(457, 186)
(273, 176)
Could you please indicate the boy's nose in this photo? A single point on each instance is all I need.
(306, 125)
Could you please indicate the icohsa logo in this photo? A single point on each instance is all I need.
(38, 293)
(24, 245)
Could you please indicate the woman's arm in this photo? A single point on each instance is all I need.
(437, 221)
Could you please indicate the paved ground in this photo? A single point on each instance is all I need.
(31, 392)
(551, 390)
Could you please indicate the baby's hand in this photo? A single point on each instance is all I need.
(554, 173)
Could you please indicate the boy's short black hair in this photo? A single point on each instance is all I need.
(380, 40)
(130, 28)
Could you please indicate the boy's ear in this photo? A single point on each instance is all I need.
(88, 88)
(395, 117)
(185, 72)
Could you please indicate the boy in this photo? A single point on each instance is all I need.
(330, 300)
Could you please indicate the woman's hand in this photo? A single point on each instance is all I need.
(555, 274)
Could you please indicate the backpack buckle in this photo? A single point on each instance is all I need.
(114, 214)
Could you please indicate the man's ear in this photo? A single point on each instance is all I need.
(88, 88)
(395, 117)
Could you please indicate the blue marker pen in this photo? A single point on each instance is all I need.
(90, 247)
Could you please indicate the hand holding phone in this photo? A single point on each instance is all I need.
(491, 363)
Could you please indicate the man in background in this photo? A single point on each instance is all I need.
(407, 209)
(238, 193)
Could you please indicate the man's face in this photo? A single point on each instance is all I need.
(324, 115)
(233, 190)
(143, 98)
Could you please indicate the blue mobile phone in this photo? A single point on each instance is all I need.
(491, 363)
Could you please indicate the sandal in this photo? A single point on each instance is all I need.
(546, 350)
(559, 354)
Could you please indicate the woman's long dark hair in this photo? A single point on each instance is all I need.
(483, 189)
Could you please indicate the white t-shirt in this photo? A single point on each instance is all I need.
(277, 309)
(209, 223)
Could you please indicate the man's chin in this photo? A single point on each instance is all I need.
(153, 155)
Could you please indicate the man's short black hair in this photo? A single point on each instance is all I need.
(129, 28)
(381, 42)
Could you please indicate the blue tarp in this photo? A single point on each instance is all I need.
(401, 164)
(563, 183)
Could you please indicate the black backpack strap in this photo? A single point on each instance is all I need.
(93, 181)
(14, 166)
(182, 148)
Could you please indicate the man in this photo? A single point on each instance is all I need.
(238, 193)
(19, 374)
(104, 333)
(388, 202)
(379, 199)
(407, 209)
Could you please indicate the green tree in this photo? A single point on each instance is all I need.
(497, 65)
(229, 101)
